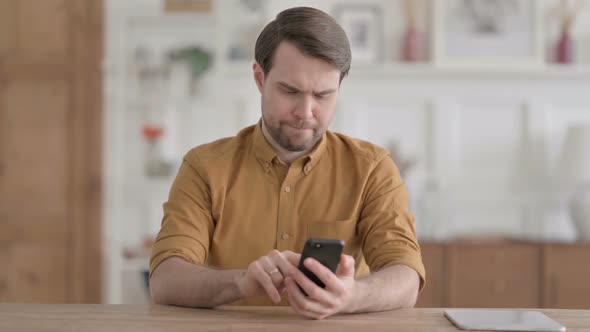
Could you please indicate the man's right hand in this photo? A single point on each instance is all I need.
(266, 275)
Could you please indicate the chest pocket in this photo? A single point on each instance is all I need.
(342, 230)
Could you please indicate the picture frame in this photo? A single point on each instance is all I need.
(363, 24)
(487, 34)
(188, 6)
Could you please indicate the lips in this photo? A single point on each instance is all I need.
(301, 127)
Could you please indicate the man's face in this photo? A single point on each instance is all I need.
(298, 97)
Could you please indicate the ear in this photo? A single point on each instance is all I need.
(258, 76)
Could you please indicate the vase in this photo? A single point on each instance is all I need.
(155, 165)
(564, 48)
(411, 45)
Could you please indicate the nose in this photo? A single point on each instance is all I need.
(304, 109)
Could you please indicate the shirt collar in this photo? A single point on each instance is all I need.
(263, 150)
(265, 153)
(316, 154)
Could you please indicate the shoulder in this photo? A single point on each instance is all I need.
(364, 159)
(219, 151)
(341, 144)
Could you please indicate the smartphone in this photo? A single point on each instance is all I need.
(325, 251)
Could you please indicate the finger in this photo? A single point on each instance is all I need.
(266, 282)
(282, 288)
(310, 288)
(301, 303)
(277, 277)
(346, 266)
(341, 265)
(282, 262)
(272, 270)
(297, 307)
(324, 274)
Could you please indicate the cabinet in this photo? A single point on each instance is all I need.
(566, 272)
(493, 275)
(433, 294)
(506, 274)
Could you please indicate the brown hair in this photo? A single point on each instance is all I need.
(312, 31)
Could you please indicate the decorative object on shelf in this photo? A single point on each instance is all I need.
(161, 47)
(363, 24)
(248, 20)
(564, 47)
(564, 50)
(155, 163)
(412, 42)
(241, 47)
(149, 70)
(575, 172)
(157, 72)
(188, 6)
(196, 59)
(490, 33)
(253, 6)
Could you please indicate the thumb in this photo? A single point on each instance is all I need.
(346, 266)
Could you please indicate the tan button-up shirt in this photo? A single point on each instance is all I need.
(233, 201)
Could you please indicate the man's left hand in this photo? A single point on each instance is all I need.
(322, 302)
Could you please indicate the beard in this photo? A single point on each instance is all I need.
(290, 142)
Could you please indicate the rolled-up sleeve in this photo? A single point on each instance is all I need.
(386, 226)
(187, 225)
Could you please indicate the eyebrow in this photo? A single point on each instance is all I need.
(290, 87)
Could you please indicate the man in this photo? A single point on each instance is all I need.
(241, 208)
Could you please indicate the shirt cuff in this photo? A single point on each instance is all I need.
(181, 246)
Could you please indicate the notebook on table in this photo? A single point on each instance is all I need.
(503, 320)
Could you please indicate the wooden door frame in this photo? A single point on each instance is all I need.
(86, 146)
(82, 68)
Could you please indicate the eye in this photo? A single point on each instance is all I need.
(320, 97)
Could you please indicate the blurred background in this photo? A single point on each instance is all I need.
(484, 104)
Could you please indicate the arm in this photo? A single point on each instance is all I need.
(178, 274)
(178, 282)
(374, 292)
(390, 288)
(390, 249)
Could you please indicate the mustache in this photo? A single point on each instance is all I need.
(300, 125)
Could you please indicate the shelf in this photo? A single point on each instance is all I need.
(429, 71)
(177, 21)
(394, 71)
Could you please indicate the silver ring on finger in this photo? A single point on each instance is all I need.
(276, 276)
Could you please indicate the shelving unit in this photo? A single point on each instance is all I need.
(417, 93)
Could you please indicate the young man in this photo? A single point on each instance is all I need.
(241, 208)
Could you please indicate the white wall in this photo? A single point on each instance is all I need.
(487, 142)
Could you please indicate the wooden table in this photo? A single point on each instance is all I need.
(89, 318)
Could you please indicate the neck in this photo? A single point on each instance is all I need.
(285, 155)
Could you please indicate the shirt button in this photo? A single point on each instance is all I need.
(288, 189)
(285, 236)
